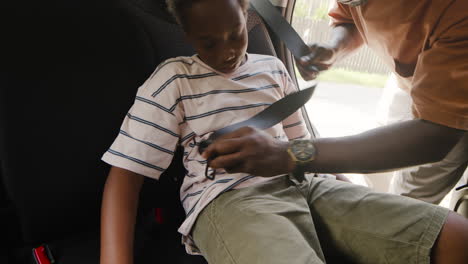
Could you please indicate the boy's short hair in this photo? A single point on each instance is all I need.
(178, 8)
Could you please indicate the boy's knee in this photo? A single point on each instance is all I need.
(450, 246)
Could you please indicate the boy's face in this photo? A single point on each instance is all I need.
(217, 30)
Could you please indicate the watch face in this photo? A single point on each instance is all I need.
(303, 150)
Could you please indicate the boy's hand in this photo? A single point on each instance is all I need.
(320, 58)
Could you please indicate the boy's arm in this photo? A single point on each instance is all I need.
(145, 145)
(118, 214)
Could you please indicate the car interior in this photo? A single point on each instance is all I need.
(70, 72)
(73, 70)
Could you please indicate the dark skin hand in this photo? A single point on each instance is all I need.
(244, 149)
(387, 148)
(345, 39)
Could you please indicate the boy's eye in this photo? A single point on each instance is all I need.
(236, 35)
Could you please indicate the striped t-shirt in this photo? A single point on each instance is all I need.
(183, 102)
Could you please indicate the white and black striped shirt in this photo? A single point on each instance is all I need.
(183, 102)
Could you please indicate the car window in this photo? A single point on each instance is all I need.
(348, 95)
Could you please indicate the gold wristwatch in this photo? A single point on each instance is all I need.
(302, 151)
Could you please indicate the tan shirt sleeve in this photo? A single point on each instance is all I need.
(440, 82)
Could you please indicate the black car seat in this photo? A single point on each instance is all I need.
(73, 68)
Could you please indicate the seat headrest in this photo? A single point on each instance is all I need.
(159, 8)
(155, 7)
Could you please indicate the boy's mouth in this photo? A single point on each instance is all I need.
(230, 66)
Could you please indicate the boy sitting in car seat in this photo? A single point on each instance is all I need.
(240, 218)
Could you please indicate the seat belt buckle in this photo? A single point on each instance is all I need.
(43, 255)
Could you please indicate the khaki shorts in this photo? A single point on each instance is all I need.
(317, 221)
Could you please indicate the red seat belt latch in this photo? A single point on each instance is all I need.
(43, 255)
(159, 215)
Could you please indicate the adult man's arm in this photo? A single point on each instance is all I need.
(382, 149)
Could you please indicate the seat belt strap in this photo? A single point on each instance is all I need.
(282, 29)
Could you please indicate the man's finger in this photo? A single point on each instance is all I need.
(229, 162)
(323, 55)
(308, 59)
(223, 146)
(306, 74)
(312, 68)
(218, 146)
(241, 132)
(234, 169)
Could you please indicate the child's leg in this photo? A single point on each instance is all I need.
(265, 224)
(371, 227)
(451, 245)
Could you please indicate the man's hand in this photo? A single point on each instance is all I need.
(344, 40)
(320, 58)
(250, 150)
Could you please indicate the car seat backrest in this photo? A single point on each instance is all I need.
(73, 73)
